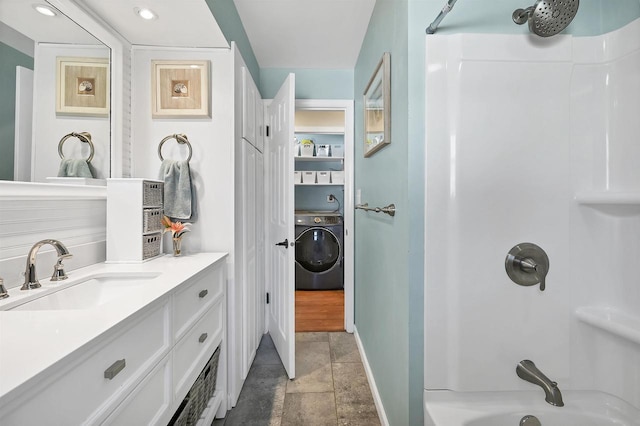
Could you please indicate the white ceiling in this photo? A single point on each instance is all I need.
(324, 34)
(23, 18)
(183, 23)
(305, 33)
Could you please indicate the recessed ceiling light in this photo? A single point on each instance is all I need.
(145, 13)
(45, 10)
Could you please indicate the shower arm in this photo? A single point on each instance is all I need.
(431, 29)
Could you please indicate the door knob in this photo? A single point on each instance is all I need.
(284, 243)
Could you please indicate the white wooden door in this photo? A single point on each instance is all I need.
(249, 285)
(280, 237)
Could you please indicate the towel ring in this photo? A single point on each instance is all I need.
(84, 137)
(181, 139)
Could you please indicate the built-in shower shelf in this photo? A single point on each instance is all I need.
(611, 320)
(608, 198)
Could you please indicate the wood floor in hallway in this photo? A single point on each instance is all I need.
(319, 310)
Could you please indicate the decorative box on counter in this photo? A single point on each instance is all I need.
(134, 211)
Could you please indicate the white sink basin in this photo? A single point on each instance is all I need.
(92, 291)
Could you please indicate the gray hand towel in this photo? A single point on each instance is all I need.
(74, 168)
(177, 189)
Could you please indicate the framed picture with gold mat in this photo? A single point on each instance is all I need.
(82, 86)
(180, 89)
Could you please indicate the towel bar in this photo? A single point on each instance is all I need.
(83, 137)
(181, 139)
(390, 209)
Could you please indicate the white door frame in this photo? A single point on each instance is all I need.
(349, 148)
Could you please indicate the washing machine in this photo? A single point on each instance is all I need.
(319, 251)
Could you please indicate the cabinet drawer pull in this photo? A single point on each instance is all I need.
(203, 293)
(203, 337)
(115, 368)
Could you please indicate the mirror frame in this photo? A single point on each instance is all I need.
(381, 77)
(92, 23)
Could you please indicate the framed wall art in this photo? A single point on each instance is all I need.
(180, 89)
(377, 108)
(82, 86)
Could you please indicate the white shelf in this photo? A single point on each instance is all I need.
(611, 320)
(608, 198)
(320, 130)
(319, 184)
(209, 414)
(319, 159)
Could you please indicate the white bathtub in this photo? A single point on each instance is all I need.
(582, 408)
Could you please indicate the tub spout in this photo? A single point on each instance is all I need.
(528, 371)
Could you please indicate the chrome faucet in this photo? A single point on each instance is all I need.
(528, 371)
(3, 290)
(30, 279)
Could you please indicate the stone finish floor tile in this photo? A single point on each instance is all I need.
(312, 336)
(313, 368)
(344, 348)
(309, 409)
(261, 400)
(354, 402)
(266, 353)
(331, 386)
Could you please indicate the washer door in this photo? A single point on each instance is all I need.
(317, 249)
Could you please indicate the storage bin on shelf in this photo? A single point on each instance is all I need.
(337, 176)
(323, 177)
(308, 177)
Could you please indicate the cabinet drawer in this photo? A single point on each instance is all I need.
(193, 298)
(196, 347)
(149, 402)
(80, 393)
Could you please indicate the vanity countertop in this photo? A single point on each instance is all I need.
(32, 341)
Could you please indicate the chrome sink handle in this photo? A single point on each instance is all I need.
(527, 265)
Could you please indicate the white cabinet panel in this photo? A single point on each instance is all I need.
(149, 403)
(194, 350)
(82, 394)
(249, 95)
(193, 298)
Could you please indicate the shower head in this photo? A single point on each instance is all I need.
(547, 17)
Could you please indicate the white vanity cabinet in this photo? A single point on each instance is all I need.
(139, 370)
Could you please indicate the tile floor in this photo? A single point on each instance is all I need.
(331, 386)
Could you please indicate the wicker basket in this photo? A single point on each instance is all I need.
(151, 220)
(152, 194)
(151, 245)
(199, 395)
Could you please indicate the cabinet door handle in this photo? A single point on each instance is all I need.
(114, 369)
(203, 337)
(203, 293)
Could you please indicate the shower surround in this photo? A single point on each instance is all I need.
(533, 140)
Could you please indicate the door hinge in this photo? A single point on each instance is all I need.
(267, 298)
(268, 131)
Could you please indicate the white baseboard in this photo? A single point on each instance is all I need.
(372, 383)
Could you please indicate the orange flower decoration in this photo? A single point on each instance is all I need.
(176, 228)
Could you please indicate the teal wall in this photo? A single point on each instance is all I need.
(310, 83)
(382, 253)
(229, 22)
(11, 58)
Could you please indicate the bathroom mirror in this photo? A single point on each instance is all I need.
(377, 108)
(31, 129)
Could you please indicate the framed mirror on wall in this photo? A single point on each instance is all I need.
(377, 108)
(31, 44)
